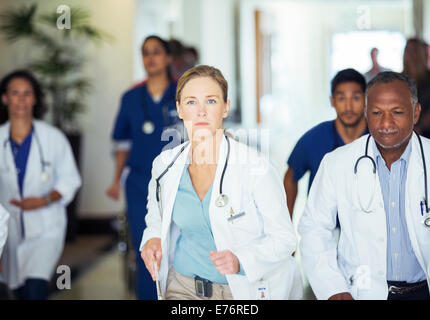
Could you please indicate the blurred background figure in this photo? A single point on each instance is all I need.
(178, 62)
(347, 98)
(191, 58)
(183, 57)
(415, 61)
(38, 179)
(376, 67)
(144, 112)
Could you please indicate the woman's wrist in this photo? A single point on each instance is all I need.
(47, 199)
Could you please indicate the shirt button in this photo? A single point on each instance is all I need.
(394, 229)
(396, 278)
(393, 204)
(396, 255)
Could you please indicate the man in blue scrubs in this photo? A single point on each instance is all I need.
(347, 97)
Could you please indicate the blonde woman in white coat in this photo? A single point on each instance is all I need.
(238, 247)
(38, 178)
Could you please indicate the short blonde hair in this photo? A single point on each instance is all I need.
(202, 71)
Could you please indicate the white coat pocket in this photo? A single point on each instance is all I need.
(243, 225)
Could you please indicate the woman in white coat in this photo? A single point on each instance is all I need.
(38, 178)
(221, 228)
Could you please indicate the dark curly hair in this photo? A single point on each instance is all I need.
(39, 108)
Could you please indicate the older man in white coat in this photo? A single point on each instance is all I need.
(377, 186)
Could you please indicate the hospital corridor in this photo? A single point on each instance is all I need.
(214, 150)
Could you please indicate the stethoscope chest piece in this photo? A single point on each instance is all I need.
(426, 220)
(221, 201)
(44, 176)
(148, 127)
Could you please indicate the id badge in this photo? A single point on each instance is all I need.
(261, 289)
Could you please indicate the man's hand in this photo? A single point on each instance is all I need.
(341, 296)
(225, 261)
(31, 203)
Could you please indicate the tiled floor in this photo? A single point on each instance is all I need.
(105, 280)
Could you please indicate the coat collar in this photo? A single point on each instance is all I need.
(172, 178)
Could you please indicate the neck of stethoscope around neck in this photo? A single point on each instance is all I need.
(420, 143)
(33, 131)
(157, 180)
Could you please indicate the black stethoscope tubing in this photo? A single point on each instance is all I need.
(374, 166)
(43, 163)
(157, 180)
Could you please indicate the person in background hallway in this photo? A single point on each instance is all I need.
(384, 247)
(38, 179)
(183, 58)
(376, 67)
(178, 63)
(239, 244)
(415, 66)
(191, 57)
(347, 97)
(145, 112)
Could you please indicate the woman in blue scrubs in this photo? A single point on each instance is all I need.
(146, 110)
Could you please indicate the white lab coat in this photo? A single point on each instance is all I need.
(263, 239)
(36, 255)
(357, 264)
(4, 219)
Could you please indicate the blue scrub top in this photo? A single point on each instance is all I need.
(135, 104)
(311, 148)
(20, 154)
(196, 240)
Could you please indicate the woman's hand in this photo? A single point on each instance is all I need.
(341, 296)
(31, 203)
(225, 261)
(151, 251)
(114, 191)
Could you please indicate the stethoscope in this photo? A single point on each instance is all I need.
(148, 125)
(425, 212)
(44, 175)
(221, 200)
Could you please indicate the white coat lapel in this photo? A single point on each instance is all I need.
(9, 165)
(414, 195)
(170, 183)
(367, 189)
(217, 213)
(33, 170)
(379, 200)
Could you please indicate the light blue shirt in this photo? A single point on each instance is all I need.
(402, 264)
(196, 240)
